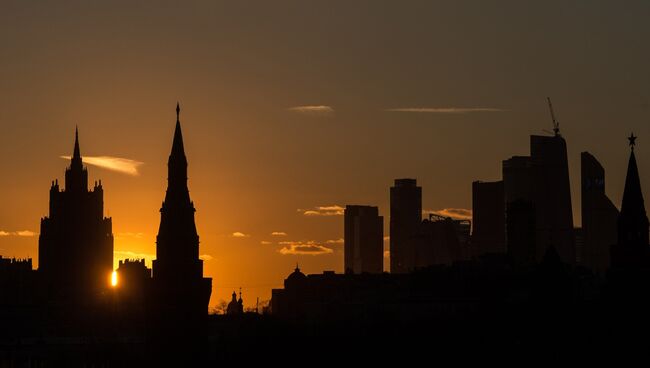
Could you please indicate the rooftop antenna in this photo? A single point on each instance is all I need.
(556, 124)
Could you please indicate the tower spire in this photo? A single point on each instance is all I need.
(76, 154)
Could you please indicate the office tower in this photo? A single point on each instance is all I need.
(180, 287)
(364, 239)
(488, 217)
(552, 197)
(75, 245)
(632, 248)
(599, 216)
(405, 219)
(520, 210)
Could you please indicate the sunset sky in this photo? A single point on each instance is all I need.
(293, 109)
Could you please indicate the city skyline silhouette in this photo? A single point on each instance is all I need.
(214, 182)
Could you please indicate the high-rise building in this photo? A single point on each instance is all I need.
(488, 217)
(364, 239)
(542, 180)
(405, 219)
(552, 197)
(520, 210)
(632, 249)
(178, 279)
(599, 216)
(75, 245)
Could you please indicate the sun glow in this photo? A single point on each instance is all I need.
(114, 278)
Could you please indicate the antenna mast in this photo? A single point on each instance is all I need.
(556, 124)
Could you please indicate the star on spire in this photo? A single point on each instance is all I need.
(632, 140)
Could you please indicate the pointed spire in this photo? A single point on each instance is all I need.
(177, 146)
(632, 194)
(76, 154)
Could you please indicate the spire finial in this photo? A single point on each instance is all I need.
(297, 268)
(76, 154)
(178, 111)
(632, 140)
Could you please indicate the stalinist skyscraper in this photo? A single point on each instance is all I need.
(181, 290)
(75, 246)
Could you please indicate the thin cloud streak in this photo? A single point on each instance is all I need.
(304, 248)
(279, 233)
(312, 109)
(238, 234)
(446, 110)
(118, 164)
(23, 233)
(333, 210)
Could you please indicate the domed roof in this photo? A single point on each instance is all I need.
(296, 275)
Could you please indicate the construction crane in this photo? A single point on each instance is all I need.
(556, 124)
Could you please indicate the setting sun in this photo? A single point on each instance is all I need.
(114, 278)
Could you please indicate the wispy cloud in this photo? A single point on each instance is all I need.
(334, 210)
(279, 233)
(206, 257)
(455, 213)
(446, 110)
(304, 248)
(238, 234)
(265, 242)
(23, 233)
(121, 165)
(335, 241)
(312, 109)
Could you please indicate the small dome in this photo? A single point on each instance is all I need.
(296, 275)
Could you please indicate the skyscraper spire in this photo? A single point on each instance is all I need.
(76, 162)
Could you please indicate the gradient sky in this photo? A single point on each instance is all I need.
(438, 91)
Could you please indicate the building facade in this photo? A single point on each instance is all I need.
(75, 246)
(363, 239)
(405, 219)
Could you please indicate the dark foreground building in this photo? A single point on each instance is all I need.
(363, 239)
(405, 219)
(633, 249)
(75, 246)
(599, 216)
(181, 293)
(488, 218)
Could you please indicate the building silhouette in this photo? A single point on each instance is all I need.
(75, 246)
(552, 197)
(520, 210)
(235, 307)
(363, 239)
(405, 219)
(632, 250)
(488, 218)
(439, 241)
(542, 180)
(599, 216)
(133, 287)
(181, 291)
